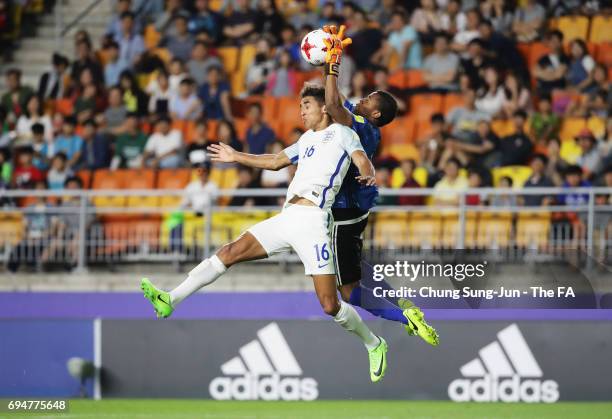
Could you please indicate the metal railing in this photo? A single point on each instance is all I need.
(79, 229)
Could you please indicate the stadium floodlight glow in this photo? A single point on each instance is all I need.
(81, 370)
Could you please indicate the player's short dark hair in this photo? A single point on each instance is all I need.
(315, 91)
(38, 128)
(387, 107)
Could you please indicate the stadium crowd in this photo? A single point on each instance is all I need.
(481, 86)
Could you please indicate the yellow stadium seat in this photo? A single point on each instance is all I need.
(237, 83)
(600, 29)
(107, 179)
(573, 27)
(518, 174)
(403, 151)
(391, 229)
(229, 58)
(216, 5)
(420, 175)
(597, 126)
(570, 151)
(425, 230)
(451, 229)
(140, 179)
(570, 128)
(502, 127)
(151, 37)
(11, 229)
(532, 230)
(494, 230)
(164, 54)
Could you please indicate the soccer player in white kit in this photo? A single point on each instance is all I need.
(325, 152)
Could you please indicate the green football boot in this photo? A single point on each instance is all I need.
(378, 361)
(417, 324)
(160, 299)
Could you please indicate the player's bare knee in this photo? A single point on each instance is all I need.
(229, 254)
(330, 305)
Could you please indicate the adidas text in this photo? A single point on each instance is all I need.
(273, 387)
(491, 389)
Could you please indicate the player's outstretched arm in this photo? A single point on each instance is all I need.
(224, 153)
(333, 99)
(365, 167)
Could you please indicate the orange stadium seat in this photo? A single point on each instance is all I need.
(241, 125)
(211, 129)
(246, 57)
(570, 128)
(604, 53)
(189, 132)
(451, 101)
(532, 230)
(108, 179)
(172, 179)
(573, 27)
(600, 29)
(140, 179)
(151, 37)
(12, 228)
(422, 106)
(397, 79)
(269, 106)
(399, 131)
(85, 176)
(64, 106)
(229, 58)
(536, 51)
(289, 110)
(414, 78)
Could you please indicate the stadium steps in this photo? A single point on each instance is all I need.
(33, 54)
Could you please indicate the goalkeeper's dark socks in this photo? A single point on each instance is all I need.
(364, 297)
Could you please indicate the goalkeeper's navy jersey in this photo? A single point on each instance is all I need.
(353, 195)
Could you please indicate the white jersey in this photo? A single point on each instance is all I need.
(324, 158)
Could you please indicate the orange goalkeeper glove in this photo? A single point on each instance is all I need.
(335, 47)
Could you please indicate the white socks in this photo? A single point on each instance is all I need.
(204, 274)
(349, 319)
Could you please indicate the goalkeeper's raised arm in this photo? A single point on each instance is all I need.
(333, 99)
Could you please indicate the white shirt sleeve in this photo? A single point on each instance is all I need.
(350, 140)
(151, 145)
(293, 152)
(588, 63)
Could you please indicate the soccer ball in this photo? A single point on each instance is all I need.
(313, 48)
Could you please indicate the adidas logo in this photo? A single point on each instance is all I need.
(266, 369)
(505, 371)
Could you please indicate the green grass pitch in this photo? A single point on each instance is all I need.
(203, 409)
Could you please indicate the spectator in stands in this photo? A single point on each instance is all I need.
(403, 41)
(432, 145)
(499, 13)
(581, 65)
(278, 178)
(200, 192)
(37, 223)
(359, 87)
(304, 16)
(226, 133)
(474, 181)
(556, 164)
(599, 83)
(53, 84)
(259, 135)
(516, 148)
(426, 20)
(463, 120)
(130, 144)
(440, 68)
(85, 58)
(86, 103)
(163, 146)
(6, 171)
(215, 96)
(282, 80)
(181, 42)
(538, 179)
(452, 18)
(185, 105)
(366, 41)
(329, 16)
(408, 166)
(573, 179)
(269, 21)
(475, 63)
(262, 66)
(26, 174)
(33, 114)
(492, 95)
(528, 20)
(6, 136)
(115, 113)
(289, 43)
(40, 146)
(544, 123)
(115, 26)
(504, 200)
(196, 151)
(59, 172)
(551, 69)
(246, 180)
(446, 190)
(502, 50)
(131, 44)
(383, 180)
(134, 99)
(176, 75)
(463, 37)
(479, 150)
(163, 22)
(68, 142)
(516, 95)
(96, 153)
(200, 62)
(381, 82)
(240, 24)
(114, 66)
(160, 94)
(17, 95)
(205, 21)
(591, 159)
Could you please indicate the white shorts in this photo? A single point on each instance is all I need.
(306, 230)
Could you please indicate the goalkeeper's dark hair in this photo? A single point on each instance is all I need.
(387, 107)
(315, 91)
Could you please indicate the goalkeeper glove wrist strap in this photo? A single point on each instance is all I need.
(332, 69)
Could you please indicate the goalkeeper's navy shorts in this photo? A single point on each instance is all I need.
(347, 242)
